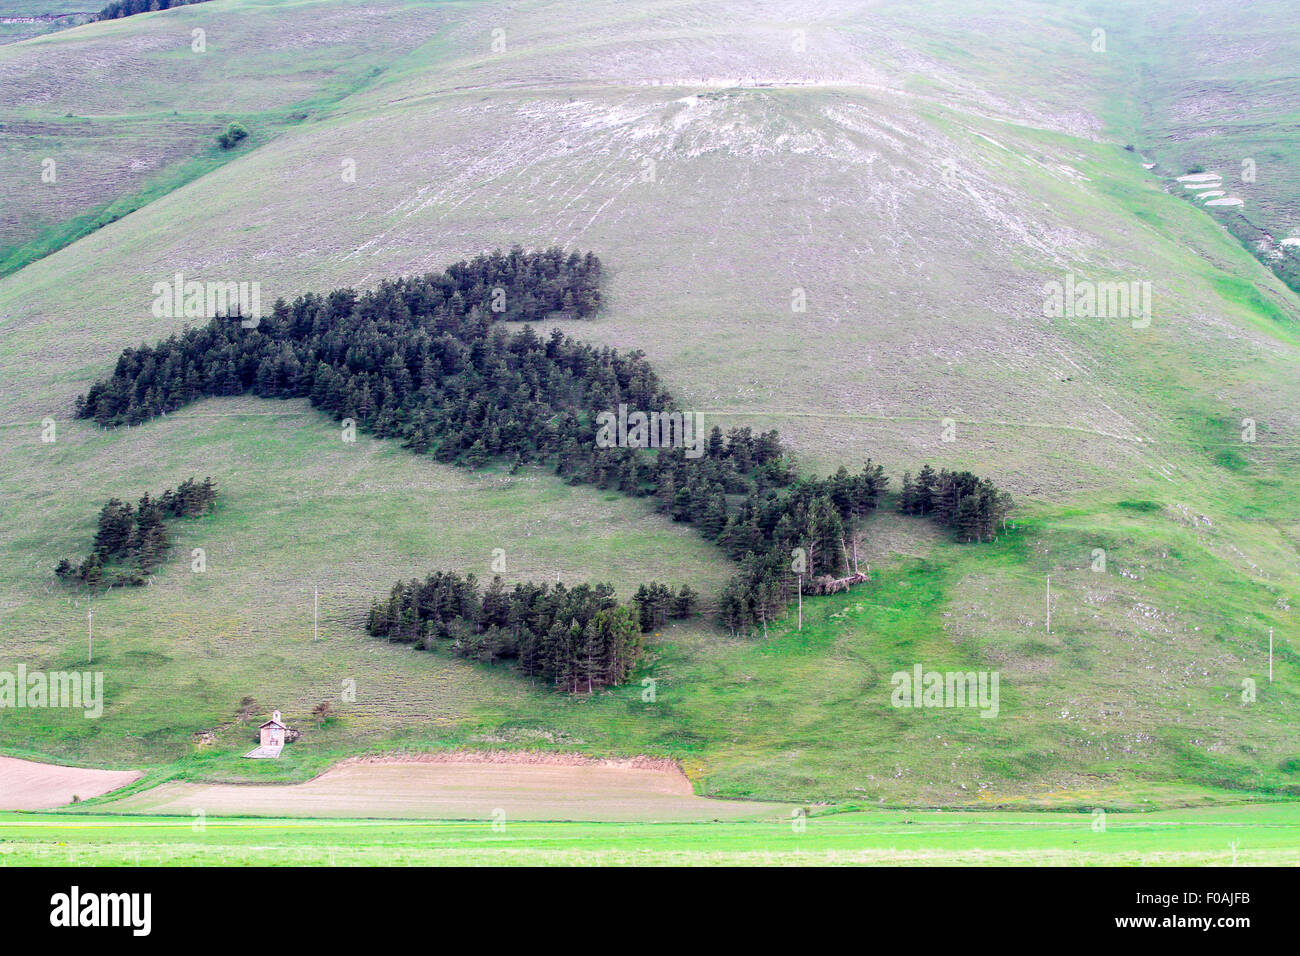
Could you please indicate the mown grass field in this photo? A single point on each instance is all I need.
(1244, 836)
(925, 303)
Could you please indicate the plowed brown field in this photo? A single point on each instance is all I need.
(27, 785)
(462, 786)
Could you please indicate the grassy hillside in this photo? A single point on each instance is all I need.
(129, 109)
(912, 174)
(1218, 92)
(24, 19)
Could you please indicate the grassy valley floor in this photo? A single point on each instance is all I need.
(1220, 836)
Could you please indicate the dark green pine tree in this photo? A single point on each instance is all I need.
(684, 604)
(926, 480)
(907, 495)
(714, 518)
(116, 524)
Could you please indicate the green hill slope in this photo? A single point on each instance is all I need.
(917, 176)
(127, 110)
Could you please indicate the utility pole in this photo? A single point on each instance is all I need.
(1049, 604)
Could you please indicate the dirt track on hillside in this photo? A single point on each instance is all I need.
(28, 785)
